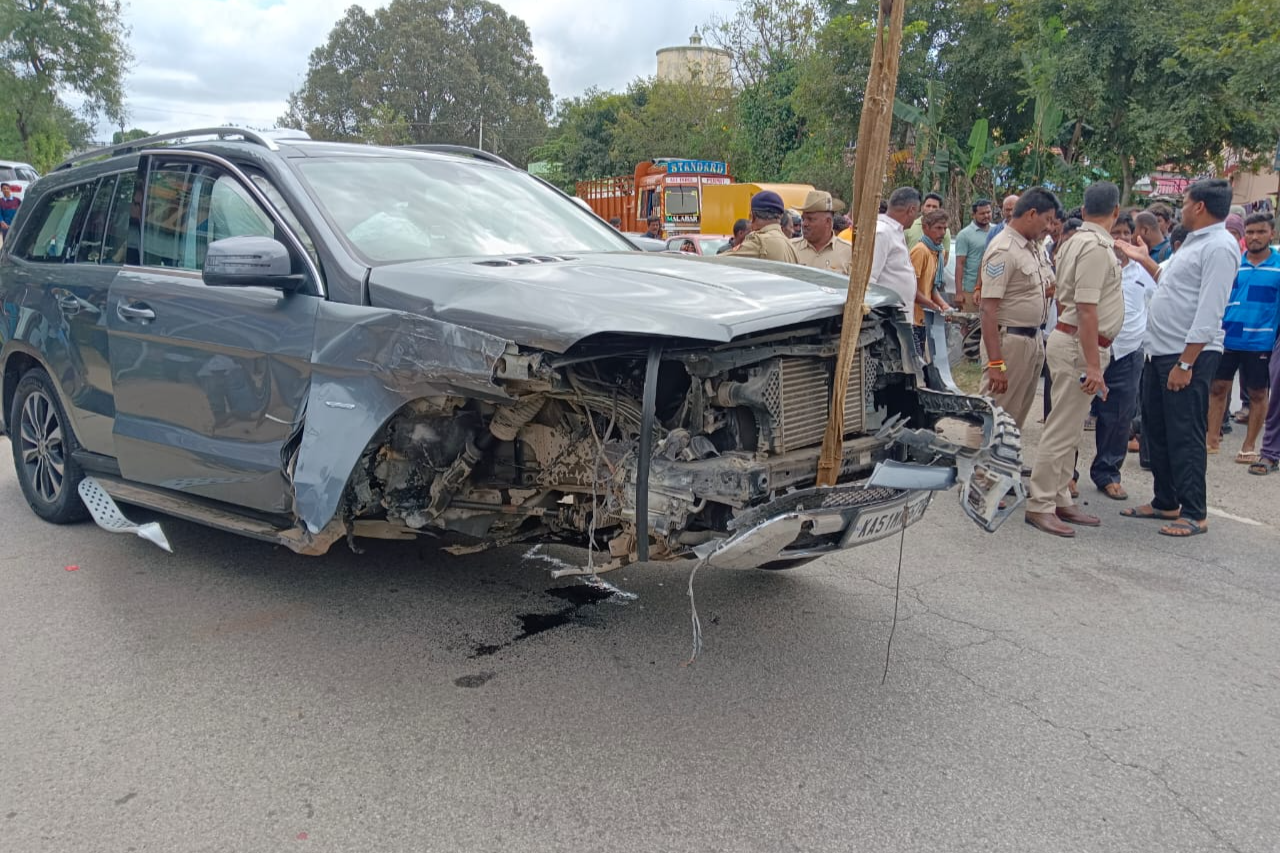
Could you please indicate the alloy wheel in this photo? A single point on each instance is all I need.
(43, 451)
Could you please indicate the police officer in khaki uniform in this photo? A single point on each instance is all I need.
(1090, 313)
(1016, 276)
(818, 246)
(766, 239)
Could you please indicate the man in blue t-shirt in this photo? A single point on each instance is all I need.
(1250, 326)
(9, 204)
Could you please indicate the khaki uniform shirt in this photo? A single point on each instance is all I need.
(767, 244)
(1089, 273)
(1016, 271)
(836, 256)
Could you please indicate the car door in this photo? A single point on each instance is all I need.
(209, 382)
(57, 297)
(81, 298)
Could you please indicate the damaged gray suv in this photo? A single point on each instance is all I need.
(306, 342)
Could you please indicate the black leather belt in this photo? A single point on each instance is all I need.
(1022, 331)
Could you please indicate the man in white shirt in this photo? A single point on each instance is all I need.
(1183, 347)
(1123, 375)
(891, 263)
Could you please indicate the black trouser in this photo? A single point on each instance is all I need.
(1115, 418)
(1144, 450)
(1174, 424)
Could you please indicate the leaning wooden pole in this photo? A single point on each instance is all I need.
(872, 154)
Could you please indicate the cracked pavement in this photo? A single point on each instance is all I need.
(1118, 692)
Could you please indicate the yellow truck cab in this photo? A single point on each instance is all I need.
(725, 204)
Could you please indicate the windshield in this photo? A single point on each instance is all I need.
(682, 201)
(394, 209)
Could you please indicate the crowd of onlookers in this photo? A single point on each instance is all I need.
(1137, 322)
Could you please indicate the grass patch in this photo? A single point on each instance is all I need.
(968, 375)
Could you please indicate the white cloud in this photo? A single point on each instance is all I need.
(200, 62)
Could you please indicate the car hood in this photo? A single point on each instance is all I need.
(552, 302)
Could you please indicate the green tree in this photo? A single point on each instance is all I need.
(767, 127)
(583, 138)
(49, 47)
(764, 35)
(674, 120)
(450, 71)
(121, 137)
(1156, 81)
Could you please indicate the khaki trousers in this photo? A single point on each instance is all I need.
(1024, 358)
(1056, 455)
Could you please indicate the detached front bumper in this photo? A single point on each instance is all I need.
(812, 522)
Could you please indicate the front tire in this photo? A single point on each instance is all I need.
(42, 446)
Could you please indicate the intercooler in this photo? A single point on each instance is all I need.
(797, 396)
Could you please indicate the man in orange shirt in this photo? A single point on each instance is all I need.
(926, 258)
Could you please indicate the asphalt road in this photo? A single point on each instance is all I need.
(1116, 693)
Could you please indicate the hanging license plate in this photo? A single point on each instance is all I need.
(879, 522)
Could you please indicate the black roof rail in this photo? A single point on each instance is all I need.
(259, 138)
(466, 150)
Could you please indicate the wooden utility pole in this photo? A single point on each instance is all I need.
(872, 154)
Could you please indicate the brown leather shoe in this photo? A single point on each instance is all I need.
(1075, 515)
(1049, 523)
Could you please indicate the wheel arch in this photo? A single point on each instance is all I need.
(18, 362)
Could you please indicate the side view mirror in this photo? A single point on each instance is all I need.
(250, 262)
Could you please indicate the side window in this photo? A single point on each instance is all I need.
(187, 209)
(116, 242)
(167, 203)
(89, 248)
(53, 226)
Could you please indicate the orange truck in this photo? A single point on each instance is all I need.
(671, 188)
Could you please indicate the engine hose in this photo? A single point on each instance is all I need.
(509, 420)
(649, 405)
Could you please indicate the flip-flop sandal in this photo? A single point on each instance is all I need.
(1264, 466)
(1213, 451)
(1247, 457)
(1115, 491)
(1154, 515)
(1186, 526)
(1241, 417)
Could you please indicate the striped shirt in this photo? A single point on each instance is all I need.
(1250, 319)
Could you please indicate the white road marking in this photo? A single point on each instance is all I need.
(1240, 518)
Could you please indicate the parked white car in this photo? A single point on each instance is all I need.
(17, 175)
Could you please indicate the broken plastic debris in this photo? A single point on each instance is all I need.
(73, 568)
(466, 550)
(110, 518)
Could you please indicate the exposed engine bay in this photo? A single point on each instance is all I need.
(726, 437)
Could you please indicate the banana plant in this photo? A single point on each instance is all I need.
(938, 154)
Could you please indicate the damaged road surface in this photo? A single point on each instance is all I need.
(296, 341)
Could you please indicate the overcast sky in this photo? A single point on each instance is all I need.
(199, 62)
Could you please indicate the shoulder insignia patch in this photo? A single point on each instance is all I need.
(995, 270)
